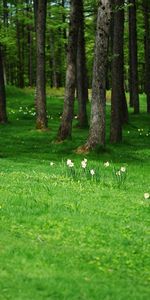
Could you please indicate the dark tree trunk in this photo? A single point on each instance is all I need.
(64, 29)
(40, 94)
(133, 63)
(146, 6)
(30, 46)
(82, 80)
(118, 101)
(30, 57)
(20, 53)
(35, 3)
(3, 115)
(53, 60)
(98, 103)
(5, 21)
(66, 125)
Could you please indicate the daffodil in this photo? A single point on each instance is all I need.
(92, 172)
(106, 164)
(146, 195)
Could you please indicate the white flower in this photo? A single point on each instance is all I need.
(106, 164)
(83, 164)
(71, 165)
(85, 160)
(51, 163)
(118, 173)
(92, 172)
(128, 132)
(76, 117)
(123, 169)
(139, 129)
(69, 162)
(146, 195)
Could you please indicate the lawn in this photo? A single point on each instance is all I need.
(65, 234)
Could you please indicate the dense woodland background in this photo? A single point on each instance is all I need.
(40, 40)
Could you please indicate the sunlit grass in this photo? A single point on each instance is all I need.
(66, 234)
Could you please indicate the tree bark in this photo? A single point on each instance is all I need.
(3, 114)
(146, 6)
(133, 63)
(118, 101)
(65, 129)
(40, 94)
(98, 103)
(20, 52)
(82, 80)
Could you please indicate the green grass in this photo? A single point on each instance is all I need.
(65, 236)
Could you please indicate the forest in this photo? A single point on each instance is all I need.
(74, 149)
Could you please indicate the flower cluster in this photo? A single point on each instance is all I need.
(70, 164)
(122, 170)
(84, 163)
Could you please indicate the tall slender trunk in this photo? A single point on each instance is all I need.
(146, 6)
(98, 103)
(5, 21)
(30, 57)
(118, 100)
(20, 52)
(82, 80)
(35, 6)
(40, 94)
(133, 63)
(53, 60)
(65, 129)
(64, 29)
(30, 45)
(3, 114)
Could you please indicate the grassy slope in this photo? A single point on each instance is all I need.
(64, 238)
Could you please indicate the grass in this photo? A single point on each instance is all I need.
(65, 236)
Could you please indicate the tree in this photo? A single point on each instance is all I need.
(146, 7)
(20, 47)
(119, 113)
(40, 95)
(133, 64)
(82, 80)
(98, 102)
(66, 124)
(3, 115)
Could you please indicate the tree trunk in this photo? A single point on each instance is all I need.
(118, 101)
(98, 103)
(66, 125)
(82, 81)
(53, 60)
(35, 6)
(64, 29)
(3, 115)
(133, 64)
(30, 57)
(146, 6)
(40, 94)
(30, 45)
(20, 53)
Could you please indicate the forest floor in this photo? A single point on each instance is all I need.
(65, 234)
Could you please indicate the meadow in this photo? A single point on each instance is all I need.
(68, 233)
